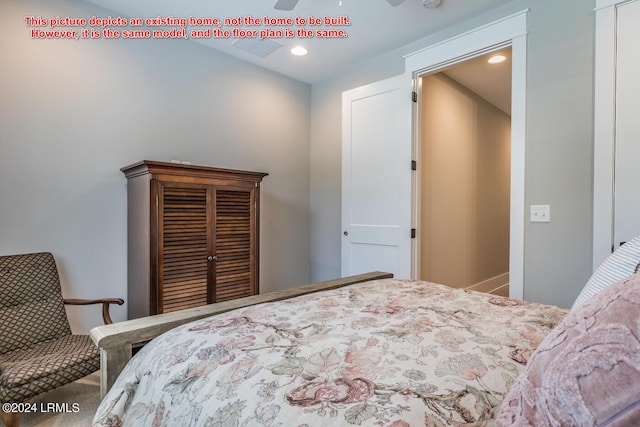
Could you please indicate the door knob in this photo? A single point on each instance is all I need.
(346, 233)
(212, 258)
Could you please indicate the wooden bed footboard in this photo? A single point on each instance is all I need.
(115, 341)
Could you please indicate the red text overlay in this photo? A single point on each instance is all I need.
(192, 27)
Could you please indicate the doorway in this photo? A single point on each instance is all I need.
(379, 144)
(464, 153)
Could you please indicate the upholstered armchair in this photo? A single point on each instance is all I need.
(38, 352)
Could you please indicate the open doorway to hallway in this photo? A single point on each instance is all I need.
(464, 185)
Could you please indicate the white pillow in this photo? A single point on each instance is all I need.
(620, 264)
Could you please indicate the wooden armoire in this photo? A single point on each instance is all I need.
(193, 235)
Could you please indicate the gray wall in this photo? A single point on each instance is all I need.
(73, 112)
(559, 145)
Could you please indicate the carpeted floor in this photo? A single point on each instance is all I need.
(82, 395)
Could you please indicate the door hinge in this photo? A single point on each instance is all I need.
(413, 233)
(414, 165)
(414, 96)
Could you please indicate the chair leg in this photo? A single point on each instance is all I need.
(11, 419)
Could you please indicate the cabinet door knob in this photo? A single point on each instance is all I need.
(212, 258)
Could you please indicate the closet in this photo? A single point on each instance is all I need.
(193, 235)
(616, 131)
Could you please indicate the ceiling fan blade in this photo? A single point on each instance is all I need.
(286, 4)
(395, 3)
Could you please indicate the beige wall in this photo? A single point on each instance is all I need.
(464, 195)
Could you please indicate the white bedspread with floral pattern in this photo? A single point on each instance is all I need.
(381, 353)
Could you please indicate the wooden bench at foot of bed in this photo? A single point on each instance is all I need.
(115, 341)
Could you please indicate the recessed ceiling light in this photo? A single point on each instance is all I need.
(496, 59)
(299, 51)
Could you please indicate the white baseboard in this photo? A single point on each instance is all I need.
(491, 284)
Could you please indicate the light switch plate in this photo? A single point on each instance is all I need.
(540, 213)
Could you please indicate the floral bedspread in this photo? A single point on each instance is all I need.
(381, 353)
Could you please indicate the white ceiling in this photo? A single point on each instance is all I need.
(490, 81)
(376, 27)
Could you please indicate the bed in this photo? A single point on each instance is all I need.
(368, 350)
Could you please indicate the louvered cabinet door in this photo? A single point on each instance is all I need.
(193, 235)
(234, 243)
(183, 246)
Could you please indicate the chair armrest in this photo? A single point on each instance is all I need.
(106, 317)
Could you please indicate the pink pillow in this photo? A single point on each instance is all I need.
(586, 372)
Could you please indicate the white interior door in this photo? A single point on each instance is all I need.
(627, 128)
(376, 178)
